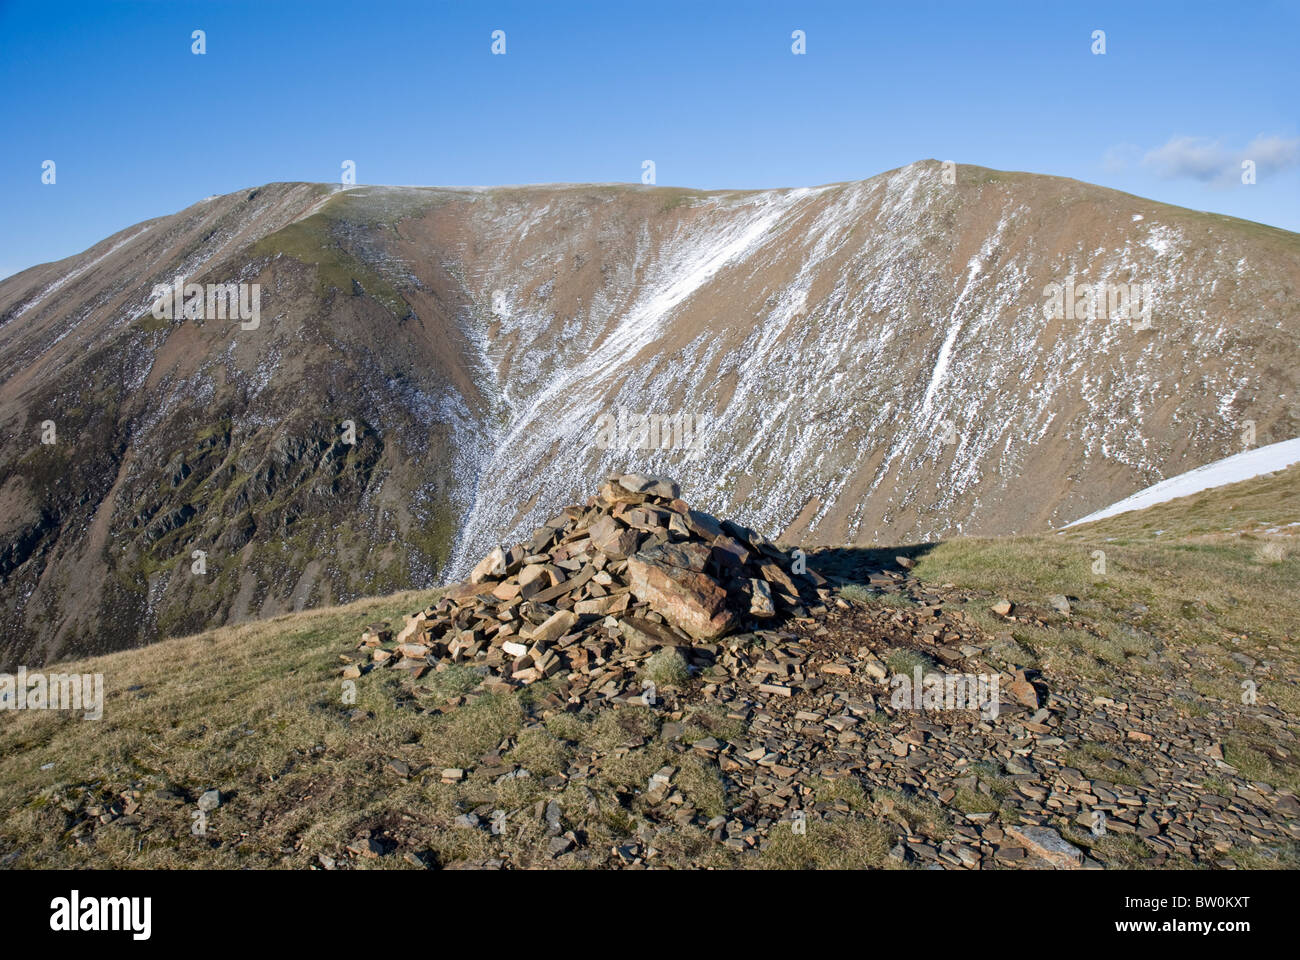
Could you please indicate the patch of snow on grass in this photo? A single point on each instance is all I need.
(1234, 469)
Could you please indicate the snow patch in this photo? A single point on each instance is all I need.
(1234, 469)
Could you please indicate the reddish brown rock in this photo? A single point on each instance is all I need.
(555, 627)
(493, 565)
(692, 600)
(1024, 693)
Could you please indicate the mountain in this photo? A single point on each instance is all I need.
(866, 362)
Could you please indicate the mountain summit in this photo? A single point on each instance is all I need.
(432, 371)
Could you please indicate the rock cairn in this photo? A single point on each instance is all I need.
(633, 570)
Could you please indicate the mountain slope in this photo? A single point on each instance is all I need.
(862, 362)
(1159, 645)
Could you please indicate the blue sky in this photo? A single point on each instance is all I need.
(139, 126)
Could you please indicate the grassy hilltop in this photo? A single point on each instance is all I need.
(1198, 596)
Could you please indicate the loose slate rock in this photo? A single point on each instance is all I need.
(1046, 843)
(632, 570)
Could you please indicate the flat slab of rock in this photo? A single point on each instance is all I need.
(1047, 844)
(554, 627)
(493, 565)
(688, 598)
(645, 635)
(654, 486)
(761, 604)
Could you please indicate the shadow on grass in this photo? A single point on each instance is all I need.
(859, 563)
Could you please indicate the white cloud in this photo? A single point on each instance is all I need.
(1195, 158)
(1272, 154)
(1206, 160)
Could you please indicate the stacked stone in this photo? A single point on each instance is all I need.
(633, 570)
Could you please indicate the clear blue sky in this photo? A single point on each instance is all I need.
(139, 126)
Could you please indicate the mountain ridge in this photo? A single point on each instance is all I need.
(827, 341)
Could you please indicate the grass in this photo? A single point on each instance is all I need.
(991, 777)
(839, 844)
(257, 711)
(674, 197)
(844, 790)
(1271, 552)
(971, 801)
(858, 593)
(312, 241)
(1196, 571)
(1097, 761)
(1253, 751)
(903, 661)
(865, 595)
(245, 710)
(666, 668)
(914, 811)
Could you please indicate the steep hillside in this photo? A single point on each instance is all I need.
(861, 362)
